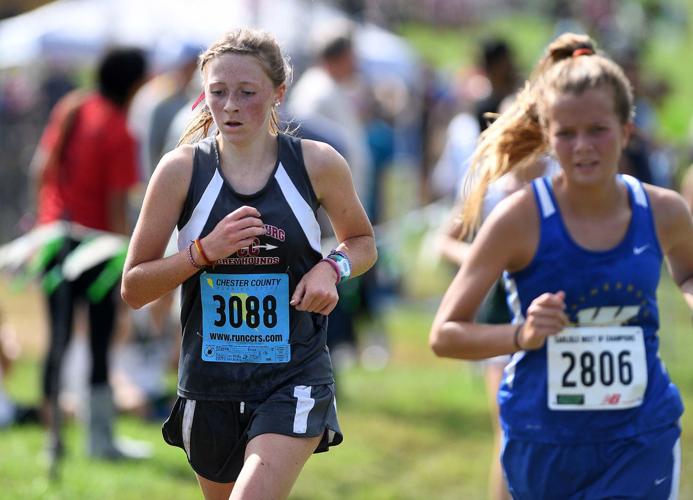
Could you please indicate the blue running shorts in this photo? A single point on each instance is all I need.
(646, 466)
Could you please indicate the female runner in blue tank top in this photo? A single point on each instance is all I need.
(255, 384)
(587, 408)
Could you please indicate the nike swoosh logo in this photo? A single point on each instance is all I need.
(659, 481)
(639, 250)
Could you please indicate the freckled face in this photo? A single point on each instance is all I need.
(586, 134)
(240, 95)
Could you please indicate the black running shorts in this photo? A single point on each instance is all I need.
(214, 434)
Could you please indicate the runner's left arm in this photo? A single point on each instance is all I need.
(675, 232)
(333, 185)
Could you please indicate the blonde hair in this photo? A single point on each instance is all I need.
(259, 44)
(517, 138)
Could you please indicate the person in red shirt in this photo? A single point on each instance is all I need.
(98, 165)
(84, 166)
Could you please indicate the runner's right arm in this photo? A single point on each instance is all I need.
(506, 241)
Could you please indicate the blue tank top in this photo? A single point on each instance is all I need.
(613, 290)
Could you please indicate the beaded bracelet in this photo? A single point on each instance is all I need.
(191, 259)
(200, 250)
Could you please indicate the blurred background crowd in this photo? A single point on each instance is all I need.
(403, 99)
(399, 87)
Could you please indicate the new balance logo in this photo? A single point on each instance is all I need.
(611, 399)
(639, 250)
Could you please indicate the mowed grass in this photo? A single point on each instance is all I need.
(401, 424)
(417, 429)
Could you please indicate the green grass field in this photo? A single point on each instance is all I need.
(417, 429)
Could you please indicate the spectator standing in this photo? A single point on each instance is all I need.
(326, 94)
(84, 166)
(497, 65)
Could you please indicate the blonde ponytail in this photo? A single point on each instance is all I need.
(516, 138)
(513, 139)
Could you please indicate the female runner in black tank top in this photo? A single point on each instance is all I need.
(256, 289)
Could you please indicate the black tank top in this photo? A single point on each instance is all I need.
(289, 249)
